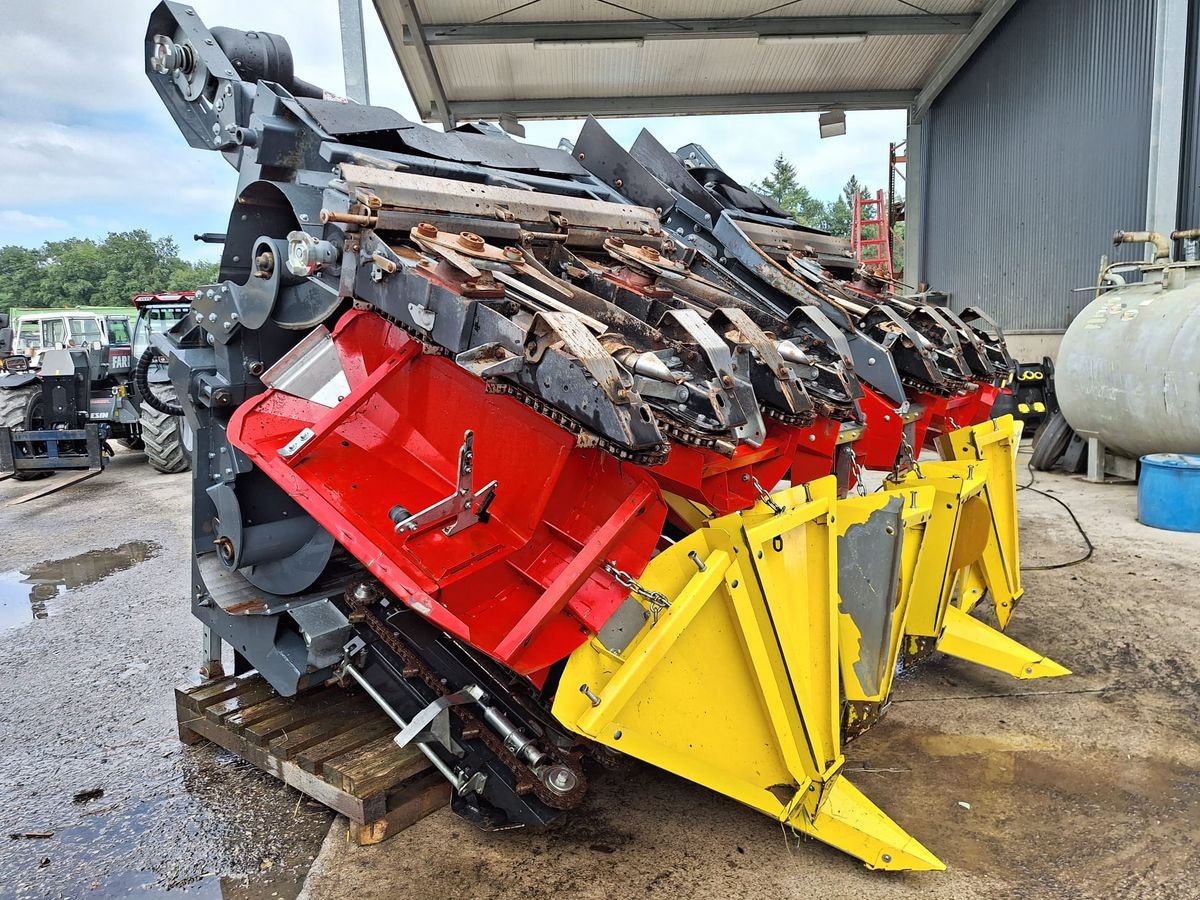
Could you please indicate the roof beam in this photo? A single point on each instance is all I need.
(963, 51)
(412, 24)
(688, 29)
(712, 104)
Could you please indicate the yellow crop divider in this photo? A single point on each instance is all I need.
(734, 685)
(969, 545)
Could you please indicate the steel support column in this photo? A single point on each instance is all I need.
(914, 200)
(1167, 115)
(354, 50)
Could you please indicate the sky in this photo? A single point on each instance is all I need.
(86, 146)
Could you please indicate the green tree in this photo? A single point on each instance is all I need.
(783, 186)
(839, 215)
(83, 272)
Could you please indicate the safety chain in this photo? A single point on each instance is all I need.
(765, 497)
(859, 487)
(910, 456)
(658, 602)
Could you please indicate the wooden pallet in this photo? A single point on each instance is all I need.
(333, 744)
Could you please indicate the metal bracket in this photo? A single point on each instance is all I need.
(468, 506)
(433, 722)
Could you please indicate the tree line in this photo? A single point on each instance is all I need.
(84, 272)
(783, 186)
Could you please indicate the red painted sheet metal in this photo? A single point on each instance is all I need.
(882, 433)
(815, 449)
(725, 484)
(525, 586)
(944, 414)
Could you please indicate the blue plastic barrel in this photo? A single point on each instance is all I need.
(1169, 491)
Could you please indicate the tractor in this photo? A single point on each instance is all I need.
(71, 382)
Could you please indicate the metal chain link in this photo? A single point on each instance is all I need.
(765, 497)
(857, 469)
(910, 456)
(658, 601)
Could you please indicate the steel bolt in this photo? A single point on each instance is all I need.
(512, 254)
(424, 229)
(560, 779)
(471, 241)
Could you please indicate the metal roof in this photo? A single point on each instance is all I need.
(551, 59)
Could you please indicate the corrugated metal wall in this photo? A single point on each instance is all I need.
(1037, 152)
(1189, 170)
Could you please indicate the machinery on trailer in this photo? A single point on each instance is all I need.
(558, 455)
(74, 381)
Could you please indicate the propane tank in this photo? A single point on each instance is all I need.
(1128, 370)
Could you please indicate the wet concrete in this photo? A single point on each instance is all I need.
(88, 706)
(1074, 788)
(24, 592)
(1071, 788)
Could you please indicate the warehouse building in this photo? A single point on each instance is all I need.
(1036, 127)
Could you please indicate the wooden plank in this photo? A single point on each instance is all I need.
(380, 781)
(344, 718)
(418, 798)
(202, 696)
(350, 762)
(297, 715)
(367, 763)
(314, 787)
(256, 694)
(313, 758)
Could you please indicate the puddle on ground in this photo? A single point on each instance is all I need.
(24, 592)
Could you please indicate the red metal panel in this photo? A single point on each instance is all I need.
(395, 440)
(725, 484)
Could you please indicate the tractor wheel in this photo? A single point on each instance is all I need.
(162, 435)
(20, 409)
(1050, 442)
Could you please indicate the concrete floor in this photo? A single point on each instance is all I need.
(1078, 787)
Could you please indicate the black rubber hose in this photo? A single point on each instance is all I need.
(141, 378)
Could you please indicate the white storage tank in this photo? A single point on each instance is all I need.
(1128, 370)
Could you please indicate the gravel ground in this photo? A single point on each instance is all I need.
(1081, 787)
(87, 705)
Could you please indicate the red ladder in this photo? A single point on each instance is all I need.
(870, 212)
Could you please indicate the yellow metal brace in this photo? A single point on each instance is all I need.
(969, 546)
(735, 684)
(999, 566)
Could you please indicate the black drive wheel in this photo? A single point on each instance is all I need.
(21, 409)
(162, 434)
(1050, 442)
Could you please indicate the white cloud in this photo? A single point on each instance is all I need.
(87, 147)
(19, 220)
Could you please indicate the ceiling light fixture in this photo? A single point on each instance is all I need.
(811, 38)
(589, 44)
(832, 123)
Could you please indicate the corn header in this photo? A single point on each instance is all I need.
(558, 453)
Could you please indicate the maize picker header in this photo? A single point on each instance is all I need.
(558, 453)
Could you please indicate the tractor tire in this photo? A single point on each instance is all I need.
(1050, 442)
(162, 436)
(19, 407)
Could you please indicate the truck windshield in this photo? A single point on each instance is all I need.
(154, 320)
(84, 332)
(118, 330)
